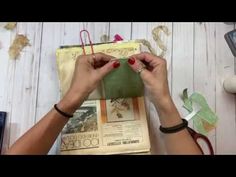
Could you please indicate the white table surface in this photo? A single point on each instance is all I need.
(198, 59)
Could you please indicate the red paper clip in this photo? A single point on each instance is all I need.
(82, 43)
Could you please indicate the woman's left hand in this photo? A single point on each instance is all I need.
(89, 71)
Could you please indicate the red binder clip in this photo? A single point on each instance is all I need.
(82, 43)
(117, 37)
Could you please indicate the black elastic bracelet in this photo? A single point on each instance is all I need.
(175, 128)
(62, 113)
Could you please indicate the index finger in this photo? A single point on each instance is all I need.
(101, 57)
(149, 58)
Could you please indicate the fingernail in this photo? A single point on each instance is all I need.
(131, 61)
(116, 64)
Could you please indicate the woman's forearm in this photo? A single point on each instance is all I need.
(180, 142)
(40, 138)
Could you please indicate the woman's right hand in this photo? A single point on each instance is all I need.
(155, 80)
(154, 76)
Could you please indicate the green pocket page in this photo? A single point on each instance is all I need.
(122, 82)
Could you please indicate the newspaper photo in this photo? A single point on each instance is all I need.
(117, 126)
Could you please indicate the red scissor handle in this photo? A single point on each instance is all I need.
(196, 136)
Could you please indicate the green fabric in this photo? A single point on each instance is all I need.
(123, 82)
(205, 113)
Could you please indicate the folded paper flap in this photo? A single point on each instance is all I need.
(71, 46)
(118, 50)
(122, 82)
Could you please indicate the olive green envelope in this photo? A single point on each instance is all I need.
(122, 82)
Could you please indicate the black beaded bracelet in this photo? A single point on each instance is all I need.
(62, 113)
(175, 128)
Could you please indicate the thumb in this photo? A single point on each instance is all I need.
(136, 65)
(108, 67)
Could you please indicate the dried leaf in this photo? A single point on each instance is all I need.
(10, 25)
(19, 43)
(147, 44)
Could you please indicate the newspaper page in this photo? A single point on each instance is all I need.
(117, 126)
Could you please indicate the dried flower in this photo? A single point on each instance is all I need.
(18, 44)
(10, 25)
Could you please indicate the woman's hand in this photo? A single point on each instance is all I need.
(89, 71)
(154, 76)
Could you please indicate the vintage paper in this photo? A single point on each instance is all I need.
(111, 126)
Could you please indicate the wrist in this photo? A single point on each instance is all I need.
(167, 111)
(163, 103)
(161, 96)
(71, 101)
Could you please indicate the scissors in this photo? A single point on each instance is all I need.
(196, 136)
